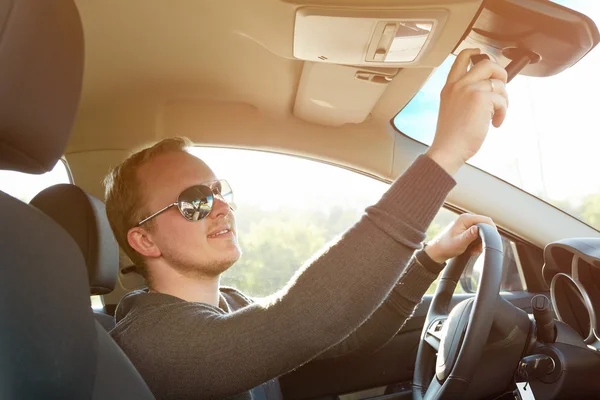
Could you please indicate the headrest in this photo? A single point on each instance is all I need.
(84, 218)
(41, 69)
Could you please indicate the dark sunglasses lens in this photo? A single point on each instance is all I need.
(196, 202)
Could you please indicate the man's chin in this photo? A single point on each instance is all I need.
(221, 262)
(227, 262)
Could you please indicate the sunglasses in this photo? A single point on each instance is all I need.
(196, 202)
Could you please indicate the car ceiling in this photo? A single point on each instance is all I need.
(228, 50)
(224, 74)
(147, 62)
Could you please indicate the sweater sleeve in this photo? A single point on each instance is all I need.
(185, 350)
(391, 316)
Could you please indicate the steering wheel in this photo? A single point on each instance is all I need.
(458, 337)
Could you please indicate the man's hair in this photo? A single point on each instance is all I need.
(125, 206)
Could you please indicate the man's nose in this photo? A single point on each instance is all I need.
(220, 207)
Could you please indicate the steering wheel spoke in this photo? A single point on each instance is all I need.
(456, 339)
(433, 335)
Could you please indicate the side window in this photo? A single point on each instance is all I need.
(441, 220)
(512, 280)
(25, 186)
(287, 209)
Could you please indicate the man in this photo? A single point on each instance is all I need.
(189, 338)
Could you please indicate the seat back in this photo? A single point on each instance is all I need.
(50, 344)
(48, 338)
(84, 218)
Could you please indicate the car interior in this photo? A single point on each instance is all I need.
(86, 83)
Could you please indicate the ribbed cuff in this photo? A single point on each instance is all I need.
(414, 282)
(419, 193)
(423, 258)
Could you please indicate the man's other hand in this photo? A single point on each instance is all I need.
(470, 99)
(456, 237)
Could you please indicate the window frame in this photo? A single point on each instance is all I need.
(68, 169)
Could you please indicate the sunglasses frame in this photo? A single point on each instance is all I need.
(176, 204)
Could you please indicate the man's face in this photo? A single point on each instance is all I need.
(192, 248)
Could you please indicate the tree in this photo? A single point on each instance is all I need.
(590, 210)
(273, 250)
(276, 243)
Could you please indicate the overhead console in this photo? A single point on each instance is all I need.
(373, 38)
(353, 53)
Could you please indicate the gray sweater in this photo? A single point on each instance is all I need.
(354, 296)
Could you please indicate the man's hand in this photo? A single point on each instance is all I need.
(456, 237)
(469, 101)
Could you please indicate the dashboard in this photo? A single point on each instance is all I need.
(572, 270)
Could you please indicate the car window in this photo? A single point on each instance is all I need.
(25, 186)
(512, 280)
(97, 302)
(287, 209)
(548, 143)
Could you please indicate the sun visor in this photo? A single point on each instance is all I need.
(333, 95)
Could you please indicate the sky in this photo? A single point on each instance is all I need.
(272, 180)
(548, 144)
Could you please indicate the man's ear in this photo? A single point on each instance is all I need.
(141, 241)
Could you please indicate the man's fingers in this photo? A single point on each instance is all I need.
(500, 107)
(469, 236)
(486, 69)
(459, 68)
(492, 86)
(468, 220)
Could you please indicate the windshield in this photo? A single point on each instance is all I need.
(549, 142)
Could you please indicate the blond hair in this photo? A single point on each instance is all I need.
(125, 206)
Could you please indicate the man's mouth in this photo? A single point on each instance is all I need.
(222, 232)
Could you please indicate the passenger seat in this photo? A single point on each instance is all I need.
(84, 218)
(50, 344)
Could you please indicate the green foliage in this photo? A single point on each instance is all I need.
(590, 210)
(587, 211)
(275, 243)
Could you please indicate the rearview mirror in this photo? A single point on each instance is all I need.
(547, 38)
